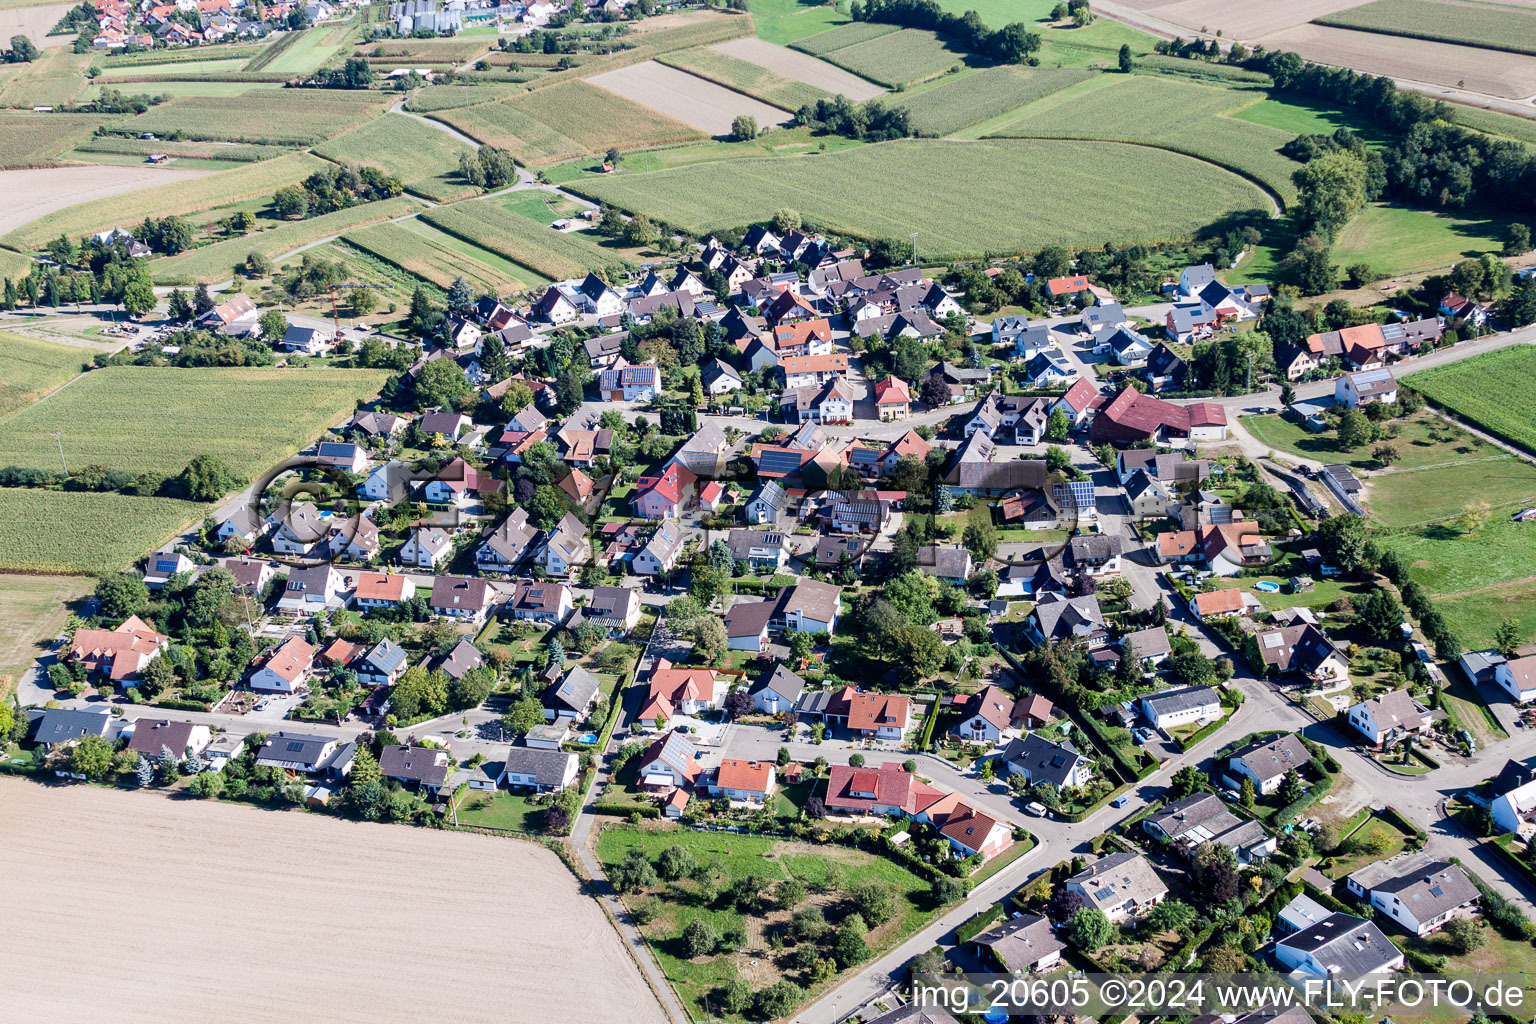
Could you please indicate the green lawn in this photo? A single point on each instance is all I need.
(1323, 592)
(500, 810)
(1356, 857)
(1304, 117)
(30, 367)
(1425, 440)
(1120, 191)
(1424, 496)
(1399, 240)
(833, 868)
(1474, 616)
(785, 21)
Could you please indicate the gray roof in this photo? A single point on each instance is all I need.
(914, 1014)
(1431, 890)
(1344, 944)
(1022, 942)
(949, 561)
(1093, 547)
(1043, 760)
(782, 681)
(1197, 277)
(1270, 758)
(386, 655)
(1189, 315)
(1104, 314)
(770, 494)
(749, 618)
(1184, 698)
(1120, 878)
(1149, 642)
(576, 690)
(427, 765)
(1056, 615)
(548, 767)
(611, 604)
(665, 542)
(463, 658)
(293, 746)
(60, 725)
(743, 542)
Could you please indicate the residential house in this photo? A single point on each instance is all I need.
(1147, 498)
(1165, 369)
(284, 669)
(893, 399)
(767, 505)
(670, 762)
(749, 782)
(162, 565)
(119, 654)
(762, 550)
(1056, 617)
(305, 754)
(776, 691)
(1515, 800)
(1222, 604)
(615, 608)
(1388, 719)
(1267, 762)
(574, 696)
(1028, 509)
(565, 547)
(150, 737)
(1340, 945)
(948, 562)
(659, 555)
(1356, 389)
(1165, 467)
(422, 768)
(382, 590)
(720, 378)
(389, 483)
(1132, 416)
(1151, 645)
(605, 349)
(1517, 677)
(1130, 347)
(746, 625)
(463, 659)
(1079, 401)
(461, 598)
(1059, 287)
(1418, 893)
(509, 545)
(1169, 709)
(426, 548)
(1461, 310)
(1095, 554)
(61, 727)
(1040, 760)
(1228, 548)
(1026, 944)
(666, 494)
(1203, 818)
(622, 383)
(1304, 649)
(451, 425)
(383, 664)
(540, 601)
(241, 523)
(881, 716)
(311, 591)
(681, 691)
(809, 606)
(1106, 316)
(1121, 885)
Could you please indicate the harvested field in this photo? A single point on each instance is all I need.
(434, 256)
(446, 97)
(268, 116)
(745, 77)
(34, 23)
(555, 254)
(423, 156)
(1510, 75)
(1471, 24)
(652, 37)
(231, 152)
(899, 58)
(155, 419)
(38, 140)
(31, 194)
(565, 120)
(1126, 193)
(33, 610)
(1170, 114)
(30, 367)
(212, 263)
(55, 78)
(800, 67)
(83, 532)
(1237, 20)
(302, 876)
(956, 104)
(687, 98)
(843, 35)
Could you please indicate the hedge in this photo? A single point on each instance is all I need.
(1207, 730)
(978, 924)
(1296, 807)
(1392, 816)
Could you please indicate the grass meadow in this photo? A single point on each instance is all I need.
(1398, 240)
(39, 140)
(1125, 192)
(33, 610)
(155, 419)
(1426, 440)
(423, 156)
(1433, 495)
(554, 254)
(786, 21)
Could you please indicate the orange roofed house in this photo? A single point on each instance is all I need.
(893, 399)
(665, 495)
(892, 791)
(680, 691)
(883, 716)
(749, 782)
(119, 654)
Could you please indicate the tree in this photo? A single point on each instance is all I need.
(1378, 614)
(1464, 935)
(934, 392)
(91, 756)
(777, 1000)
(785, 220)
(710, 640)
(1291, 788)
(273, 325)
(206, 478)
(1354, 429)
(138, 296)
(1508, 637)
(856, 761)
(206, 785)
(1126, 64)
(738, 703)
(459, 295)
(1332, 189)
(1064, 902)
(744, 128)
(699, 938)
(943, 500)
(1170, 915)
(144, 772)
(850, 947)
(523, 716)
(1518, 241)
(1058, 427)
(1249, 795)
(1188, 780)
(441, 383)
(1519, 307)
(633, 873)
(121, 596)
(178, 306)
(875, 902)
(1385, 453)
(945, 890)
(640, 230)
(23, 50)
(1089, 929)
(981, 539)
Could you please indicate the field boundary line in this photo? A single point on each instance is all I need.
(724, 85)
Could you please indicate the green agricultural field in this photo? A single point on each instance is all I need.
(1399, 240)
(1171, 114)
(30, 367)
(785, 21)
(155, 419)
(83, 532)
(1492, 122)
(734, 856)
(183, 89)
(55, 78)
(1124, 193)
(744, 76)
(566, 120)
(437, 257)
(1425, 496)
(650, 39)
(844, 35)
(38, 140)
(1300, 116)
(178, 197)
(1488, 25)
(516, 237)
(446, 97)
(423, 156)
(1492, 391)
(304, 54)
(138, 72)
(14, 265)
(952, 105)
(1426, 440)
(897, 58)
(170, 60)
(215, 262)
(267, 116)
(997, 13)
(190, 150)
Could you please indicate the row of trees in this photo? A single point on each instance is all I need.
(1011, 44)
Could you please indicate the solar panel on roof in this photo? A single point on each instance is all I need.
(779, 462)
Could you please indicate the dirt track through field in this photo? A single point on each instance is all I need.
(800, 66)
(128, 906)
(692, 100)
(1511, 75)
(33, 193)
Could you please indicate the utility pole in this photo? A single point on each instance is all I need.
(914, 248)
(58, 435)
(1249, 385)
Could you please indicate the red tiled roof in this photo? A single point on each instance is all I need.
(872, 710)
(1215, 602)
(669, 483)
(380, 586)
(752, 776)
(1067, 285)
(893, 391)
(1081, 394)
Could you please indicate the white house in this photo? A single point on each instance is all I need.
(1339, 944)
(776, 692)
(1122, 885)
(1391, 717)
(1418, 893)
(751, 782)
(286, 669)
(1518, 678)
(426, 548)
(538, 770)
(1170, 709)
(1356, 389)
(987, 717)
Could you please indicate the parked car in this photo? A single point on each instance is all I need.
(1034, 807)
(1120, 801)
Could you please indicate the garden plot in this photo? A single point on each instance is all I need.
(687, 98)
(799, 66)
